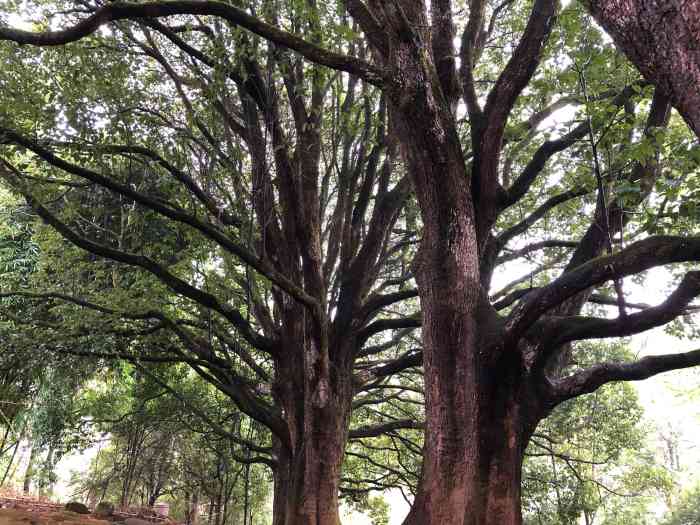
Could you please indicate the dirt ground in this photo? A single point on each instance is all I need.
(64, 517)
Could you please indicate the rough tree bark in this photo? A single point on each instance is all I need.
(662, 39)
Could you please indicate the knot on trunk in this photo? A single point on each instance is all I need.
(320, 397)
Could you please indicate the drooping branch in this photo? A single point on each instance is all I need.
(223, 215)
(233, 15)
(214, 425)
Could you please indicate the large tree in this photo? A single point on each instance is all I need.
(492, 368)
(239, 213)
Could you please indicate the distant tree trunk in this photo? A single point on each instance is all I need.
(192, 502)
(29, 473)
(246, 491)
(10, 464)
(46, 486)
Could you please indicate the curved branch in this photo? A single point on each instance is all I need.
(535, 246)
(410, 359)
(175, 283)
(566, 329)
(590, 379)
(233, 15)
(376, 302)
(207, 229)
(380, 325)
(548, 149)
(637, 257)
(539, 212)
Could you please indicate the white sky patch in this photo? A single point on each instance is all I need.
(19, 22)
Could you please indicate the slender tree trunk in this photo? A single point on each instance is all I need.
(193, 511)
(10, 464)
(29, 473)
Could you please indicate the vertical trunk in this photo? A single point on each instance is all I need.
(193, 511)
(29, 473)
(477, 427)
(472, 473)
(307, 479)
(246, 495)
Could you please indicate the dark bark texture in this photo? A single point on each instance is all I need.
(662, 39)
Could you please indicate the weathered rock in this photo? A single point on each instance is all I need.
(77, 507)
(104, 509)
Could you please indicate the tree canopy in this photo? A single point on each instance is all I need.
(350, 227)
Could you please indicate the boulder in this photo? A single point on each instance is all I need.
(77, 507)
(104, 509)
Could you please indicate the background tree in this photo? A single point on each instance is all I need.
(261, 226)
(154, 447)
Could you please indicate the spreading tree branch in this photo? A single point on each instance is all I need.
(233, 15)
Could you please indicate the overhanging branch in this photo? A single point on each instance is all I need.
(233, 15)
(637, 257)
(590, 379)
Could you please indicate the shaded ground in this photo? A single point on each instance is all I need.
(46, 517)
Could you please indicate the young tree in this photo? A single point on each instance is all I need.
(492, 369)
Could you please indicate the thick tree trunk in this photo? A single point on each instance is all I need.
(483, 490)
(474, 451)
(307, 482)
(477, 425)
(307, 477)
